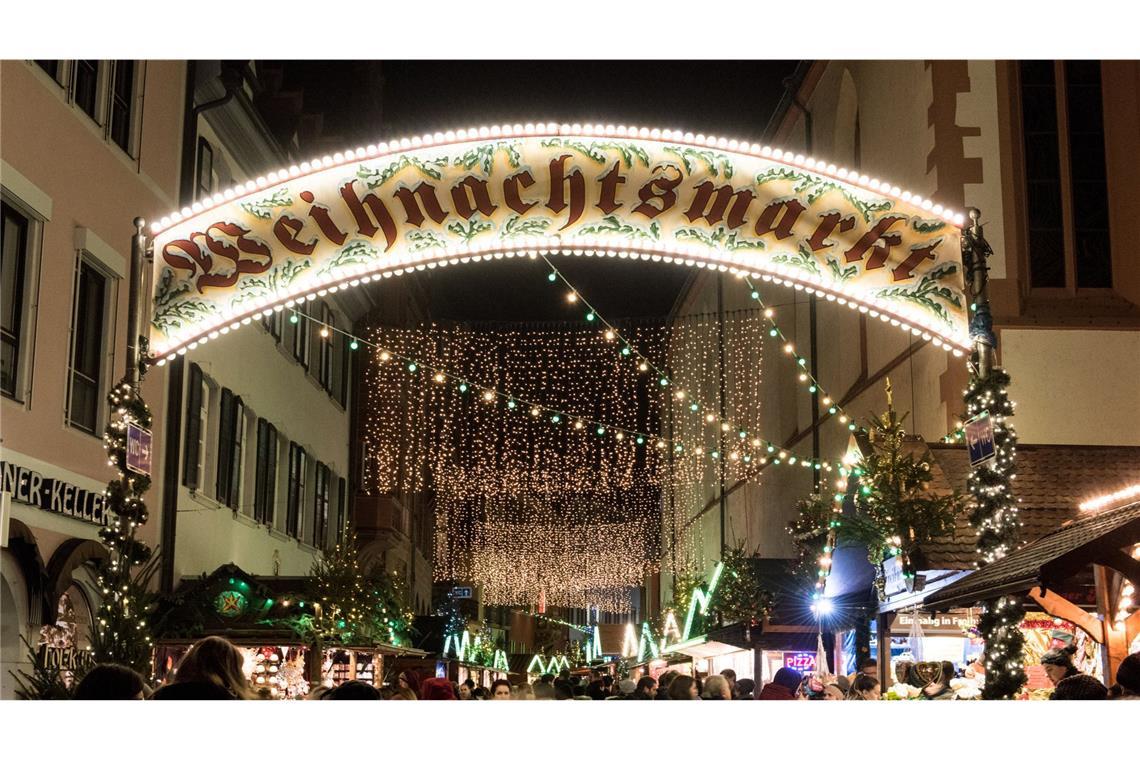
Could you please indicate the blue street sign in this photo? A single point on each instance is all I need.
(980, 439)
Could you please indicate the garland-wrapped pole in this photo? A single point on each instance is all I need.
(121, 632)
(995, 516)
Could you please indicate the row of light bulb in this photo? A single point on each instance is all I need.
(681, 254)
(550, 129)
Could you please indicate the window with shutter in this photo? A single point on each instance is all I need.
(225, 445)
(192, 450)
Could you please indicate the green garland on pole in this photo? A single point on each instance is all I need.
(998, 524)
(121, 634)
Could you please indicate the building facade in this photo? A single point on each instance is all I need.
(1045, 151)
(88, 145)
(252, 454)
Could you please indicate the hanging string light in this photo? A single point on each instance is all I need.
(640, 437)
(827, 403)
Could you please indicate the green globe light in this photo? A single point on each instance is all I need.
(294, 319)
(552, 277)
(354, 345)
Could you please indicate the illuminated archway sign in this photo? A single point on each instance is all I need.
(474, 195)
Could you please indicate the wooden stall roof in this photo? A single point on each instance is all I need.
(1050, 559)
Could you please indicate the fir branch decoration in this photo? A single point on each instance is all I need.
(611, 225)
(121, 633)
(44, 682)
(262, 207)
(719, 238)
(926, 290)
(995, 517)
(516, 226)
(374, 178)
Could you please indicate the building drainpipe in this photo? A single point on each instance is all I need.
(173, 444)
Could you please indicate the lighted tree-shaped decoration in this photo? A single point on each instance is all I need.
(810, 531)
(684, 583)
(896, 499)
(740, 595)
(121, 633)
(995, 516)
(337, 586)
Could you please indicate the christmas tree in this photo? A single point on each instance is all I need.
(895, 497)
(337, 586)
(740, 593)
(996, 519)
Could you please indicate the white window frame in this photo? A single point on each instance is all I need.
(36, 213)
(107, 341)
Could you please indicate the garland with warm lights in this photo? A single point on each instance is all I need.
(996, 518)
(121, 633)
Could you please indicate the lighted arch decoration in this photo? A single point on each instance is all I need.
(508, 191)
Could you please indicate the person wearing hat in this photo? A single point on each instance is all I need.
(1079, 687)
(783, 685)
(1058, 664)
(624, 690)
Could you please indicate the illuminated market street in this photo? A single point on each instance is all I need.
(334, 380)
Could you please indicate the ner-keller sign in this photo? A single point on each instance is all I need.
(52, 494)
(370, 212)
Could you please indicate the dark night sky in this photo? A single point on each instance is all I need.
(723, 98)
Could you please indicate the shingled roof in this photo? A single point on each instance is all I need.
(1051, 481)
(1049, 559)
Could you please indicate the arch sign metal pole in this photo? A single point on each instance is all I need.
(339, 221)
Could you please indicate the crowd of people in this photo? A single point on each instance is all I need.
(213, 669)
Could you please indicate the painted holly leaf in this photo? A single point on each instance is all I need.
(261, 208)
(925, 292)
(356, 252)
(484, 155)
(839, 272)
(629, 152)
(719, 238)
(801, 259)
(374, 178)
(420, 240)
(517, 226)
(273, 282)
(181, 313)
(716, 163)
(814, 187)
(927, 225)
(611, 225)
(473, 229)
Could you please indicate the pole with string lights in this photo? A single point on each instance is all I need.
(121, 634)
(995, 516)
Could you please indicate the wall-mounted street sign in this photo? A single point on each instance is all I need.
(980, 439)
(138, 449)
(461, 592)
(510, 191)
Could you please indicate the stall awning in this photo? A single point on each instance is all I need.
(701, 647)
(1052, 559)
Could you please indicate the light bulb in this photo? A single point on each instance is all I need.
(571, 296)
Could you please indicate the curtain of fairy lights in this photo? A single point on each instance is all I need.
(525, 504)
(694, 359)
